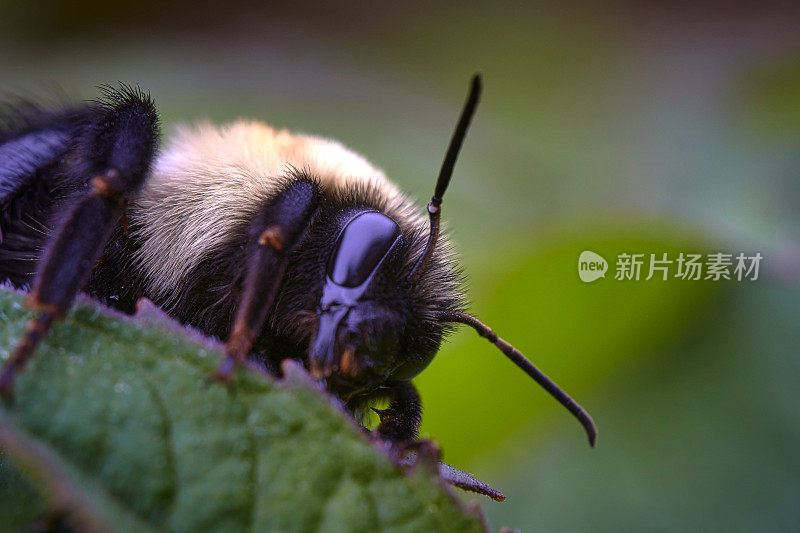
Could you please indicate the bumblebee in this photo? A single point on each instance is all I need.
(282, 245)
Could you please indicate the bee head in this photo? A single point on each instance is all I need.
(358, 337)
(361, 342)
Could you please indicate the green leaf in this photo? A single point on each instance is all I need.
(112, 421)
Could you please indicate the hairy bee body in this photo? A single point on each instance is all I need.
(189, 225)
(281, 245)
(206, 186)
(182, 241)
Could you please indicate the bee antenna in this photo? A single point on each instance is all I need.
(434, 207)
(521, 361)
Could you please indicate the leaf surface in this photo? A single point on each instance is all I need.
(113, 418)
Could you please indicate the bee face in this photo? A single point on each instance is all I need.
(356, 349)
(357, 342)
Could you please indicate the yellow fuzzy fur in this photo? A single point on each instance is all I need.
(209, 181)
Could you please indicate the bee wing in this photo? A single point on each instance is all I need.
(22, 156)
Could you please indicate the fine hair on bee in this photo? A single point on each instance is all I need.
(281, 245)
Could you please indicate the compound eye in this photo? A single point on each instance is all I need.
(360, 247)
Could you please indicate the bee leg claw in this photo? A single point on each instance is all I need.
(421, 452)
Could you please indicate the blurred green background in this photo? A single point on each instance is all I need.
(613, 127)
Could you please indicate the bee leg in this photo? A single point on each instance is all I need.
(400, 421)
(112, 156)
(399, 427)
(271, 237)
